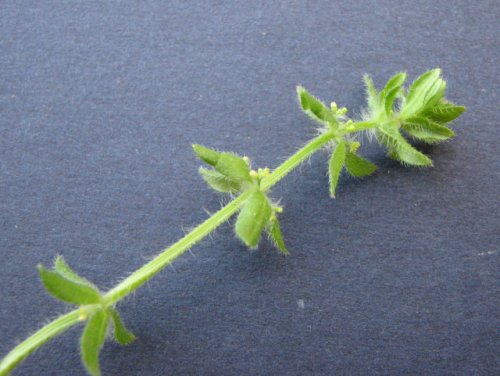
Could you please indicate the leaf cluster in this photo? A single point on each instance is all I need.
(344, 154)
(420, 112)
(395, 113)
(231, 173)
(66, 285)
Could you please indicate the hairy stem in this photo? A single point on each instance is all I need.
(360, 126)
(281, 171)
(146, 272)
(36, 340)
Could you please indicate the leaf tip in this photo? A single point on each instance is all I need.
(59, 260)
(207, 155)
(435, 71)
(300, 94)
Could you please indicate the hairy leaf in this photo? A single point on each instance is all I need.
(394, 82)
(444, 112)
(252, 218)
(358, 166)
(92, 340)
(426, 91)
(372, 96)
(227, 164)
(233, 166)
(67, 289)
(427, 130)
(354, 146)
(314, 108)
(122, 335)
(207, 155)
(391, 90)
(219, 182)
(398, 148)
(335, 166)
(274, 232)
(63, 269)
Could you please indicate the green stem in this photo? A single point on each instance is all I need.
(281, 171)
(36, 340)
(360, 126)
(146, 272)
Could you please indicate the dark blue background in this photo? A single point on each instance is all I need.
(99, 104)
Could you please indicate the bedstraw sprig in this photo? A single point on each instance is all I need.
(420, 112)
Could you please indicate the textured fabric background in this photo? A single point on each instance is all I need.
(99, 104)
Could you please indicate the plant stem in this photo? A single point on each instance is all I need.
(146, 272)
(36, 340)
(282, 170)
(360, 126)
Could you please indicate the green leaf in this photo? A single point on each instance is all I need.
(122, 335)
(63, 269)
(422, 84)
(207, 155)
(233, 166)
(219, 182)
(68, 290)
(391, 90)
(354, 146)
(227, 164)
(437, 95)
(314, 108)
(372, 95)
(335, 166)
(253, 218)
(425, 92)
(427, 130)
(92, 340)
(394, 82)
(444, 112)
(274, 232)
(389, 100)
(398, 148)
(358, 166)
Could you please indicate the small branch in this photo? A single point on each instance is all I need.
(147, 271)
(425, 115)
